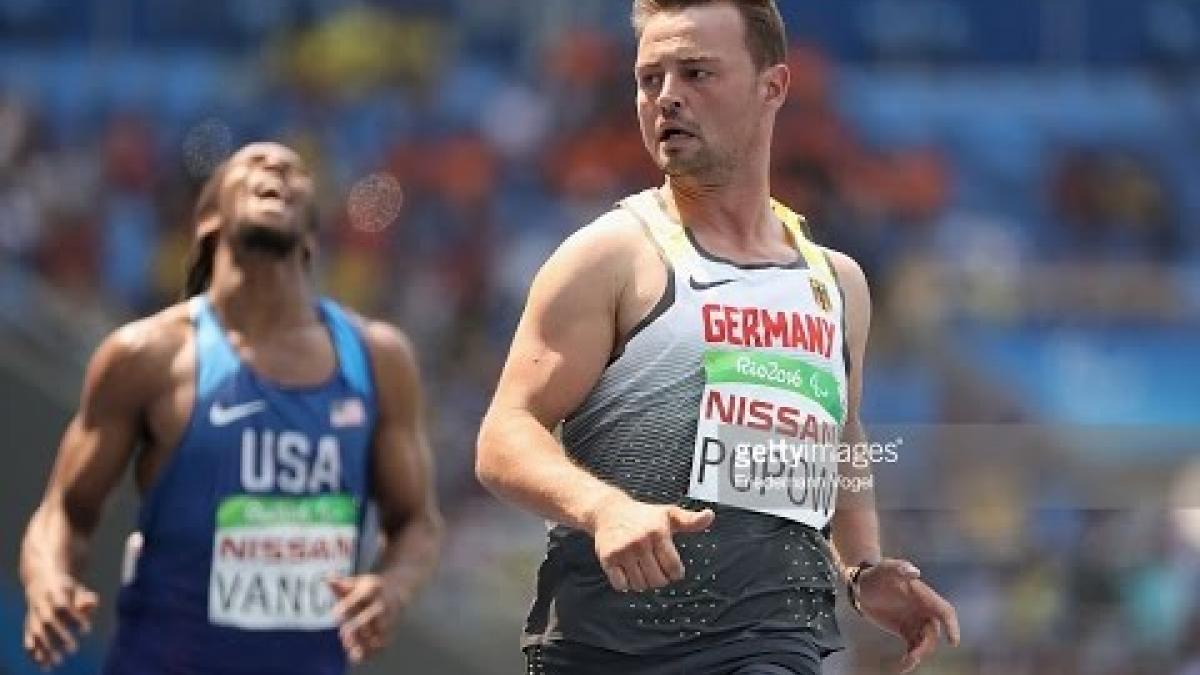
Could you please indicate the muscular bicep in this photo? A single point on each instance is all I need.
(100, 439)
(402, 463)
(566, 333)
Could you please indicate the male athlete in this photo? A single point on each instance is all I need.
(704, 360)
(260, 420)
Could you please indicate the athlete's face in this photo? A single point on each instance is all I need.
(702, 102)
(267, 195)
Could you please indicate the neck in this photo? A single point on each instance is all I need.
(736, 207)
(258, 293)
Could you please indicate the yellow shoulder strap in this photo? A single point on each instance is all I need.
(813, 255)
(666, 233)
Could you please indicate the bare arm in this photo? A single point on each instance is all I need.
(891, 593)
(403, 490)
(92, 456)
(560, 349)
(855, 522)
(409, 518)
(558, 353)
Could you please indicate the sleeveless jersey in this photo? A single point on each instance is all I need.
(729, 395)
(261, 501)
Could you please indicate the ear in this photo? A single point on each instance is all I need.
(208, 225)
(776, 81)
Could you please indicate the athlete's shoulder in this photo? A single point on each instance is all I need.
(614, 233)
(856, 294)
(135, 359)
(158, 335)
(390, 347)
(604, 250)
(849, 272)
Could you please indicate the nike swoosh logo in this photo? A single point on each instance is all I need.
(706, 285)
(223, 417)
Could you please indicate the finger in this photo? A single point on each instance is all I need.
(41, 656)
(651, 571)
(32, 639)
(668, 559)
(341, 586)
(365, 636)
(360, 621)
(616, 577)
(949, 622)
(353, 602)
(683, 520)
(944, 612)
(352, 644)
(86, 602)
(78, 611)
(33, 647)
(54, 632)
(633, 572)
(356, 651)
(923, 646)
(44, 653)
(63, 618)
(371, 638)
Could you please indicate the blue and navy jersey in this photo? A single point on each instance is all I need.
(260, 503)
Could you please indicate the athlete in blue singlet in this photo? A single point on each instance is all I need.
(260, 419)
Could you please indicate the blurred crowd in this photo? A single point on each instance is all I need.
(448, 169)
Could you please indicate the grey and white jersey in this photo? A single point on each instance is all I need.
(730, 355)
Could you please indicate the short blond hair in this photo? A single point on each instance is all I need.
(766, 37)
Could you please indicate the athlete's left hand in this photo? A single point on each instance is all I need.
(366, 611)
(894, 598)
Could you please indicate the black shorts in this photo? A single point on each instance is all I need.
(751, 657)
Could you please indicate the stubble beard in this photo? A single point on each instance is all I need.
(703, 165)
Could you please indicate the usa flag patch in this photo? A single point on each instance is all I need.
(348, 412)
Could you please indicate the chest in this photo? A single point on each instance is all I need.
(784, 311)
(254, 434)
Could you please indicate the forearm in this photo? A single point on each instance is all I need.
(855, 523)
(410, 553)
(52, 544)
(856, 536)
(522, 463)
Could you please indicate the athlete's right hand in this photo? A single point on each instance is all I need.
(59, 607)
(634, 542)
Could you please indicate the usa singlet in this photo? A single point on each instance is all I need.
(261, 501)
(731, 395)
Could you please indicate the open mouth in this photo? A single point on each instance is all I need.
(270, 190)
(673, 132)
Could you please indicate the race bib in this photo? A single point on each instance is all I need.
(272, 557)
(767, 438)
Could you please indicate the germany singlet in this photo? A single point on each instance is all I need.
(260, 502)
(717, 399)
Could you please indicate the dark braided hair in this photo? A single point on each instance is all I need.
(204, 250)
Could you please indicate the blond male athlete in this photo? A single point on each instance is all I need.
(693, 343)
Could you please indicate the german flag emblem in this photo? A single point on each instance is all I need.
(821, 294)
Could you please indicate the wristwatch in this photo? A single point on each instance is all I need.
(852, 584)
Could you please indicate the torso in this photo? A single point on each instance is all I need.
(298, 357)
(761, 567)
(256, 475)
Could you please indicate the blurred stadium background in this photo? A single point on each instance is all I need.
(1021, 180)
